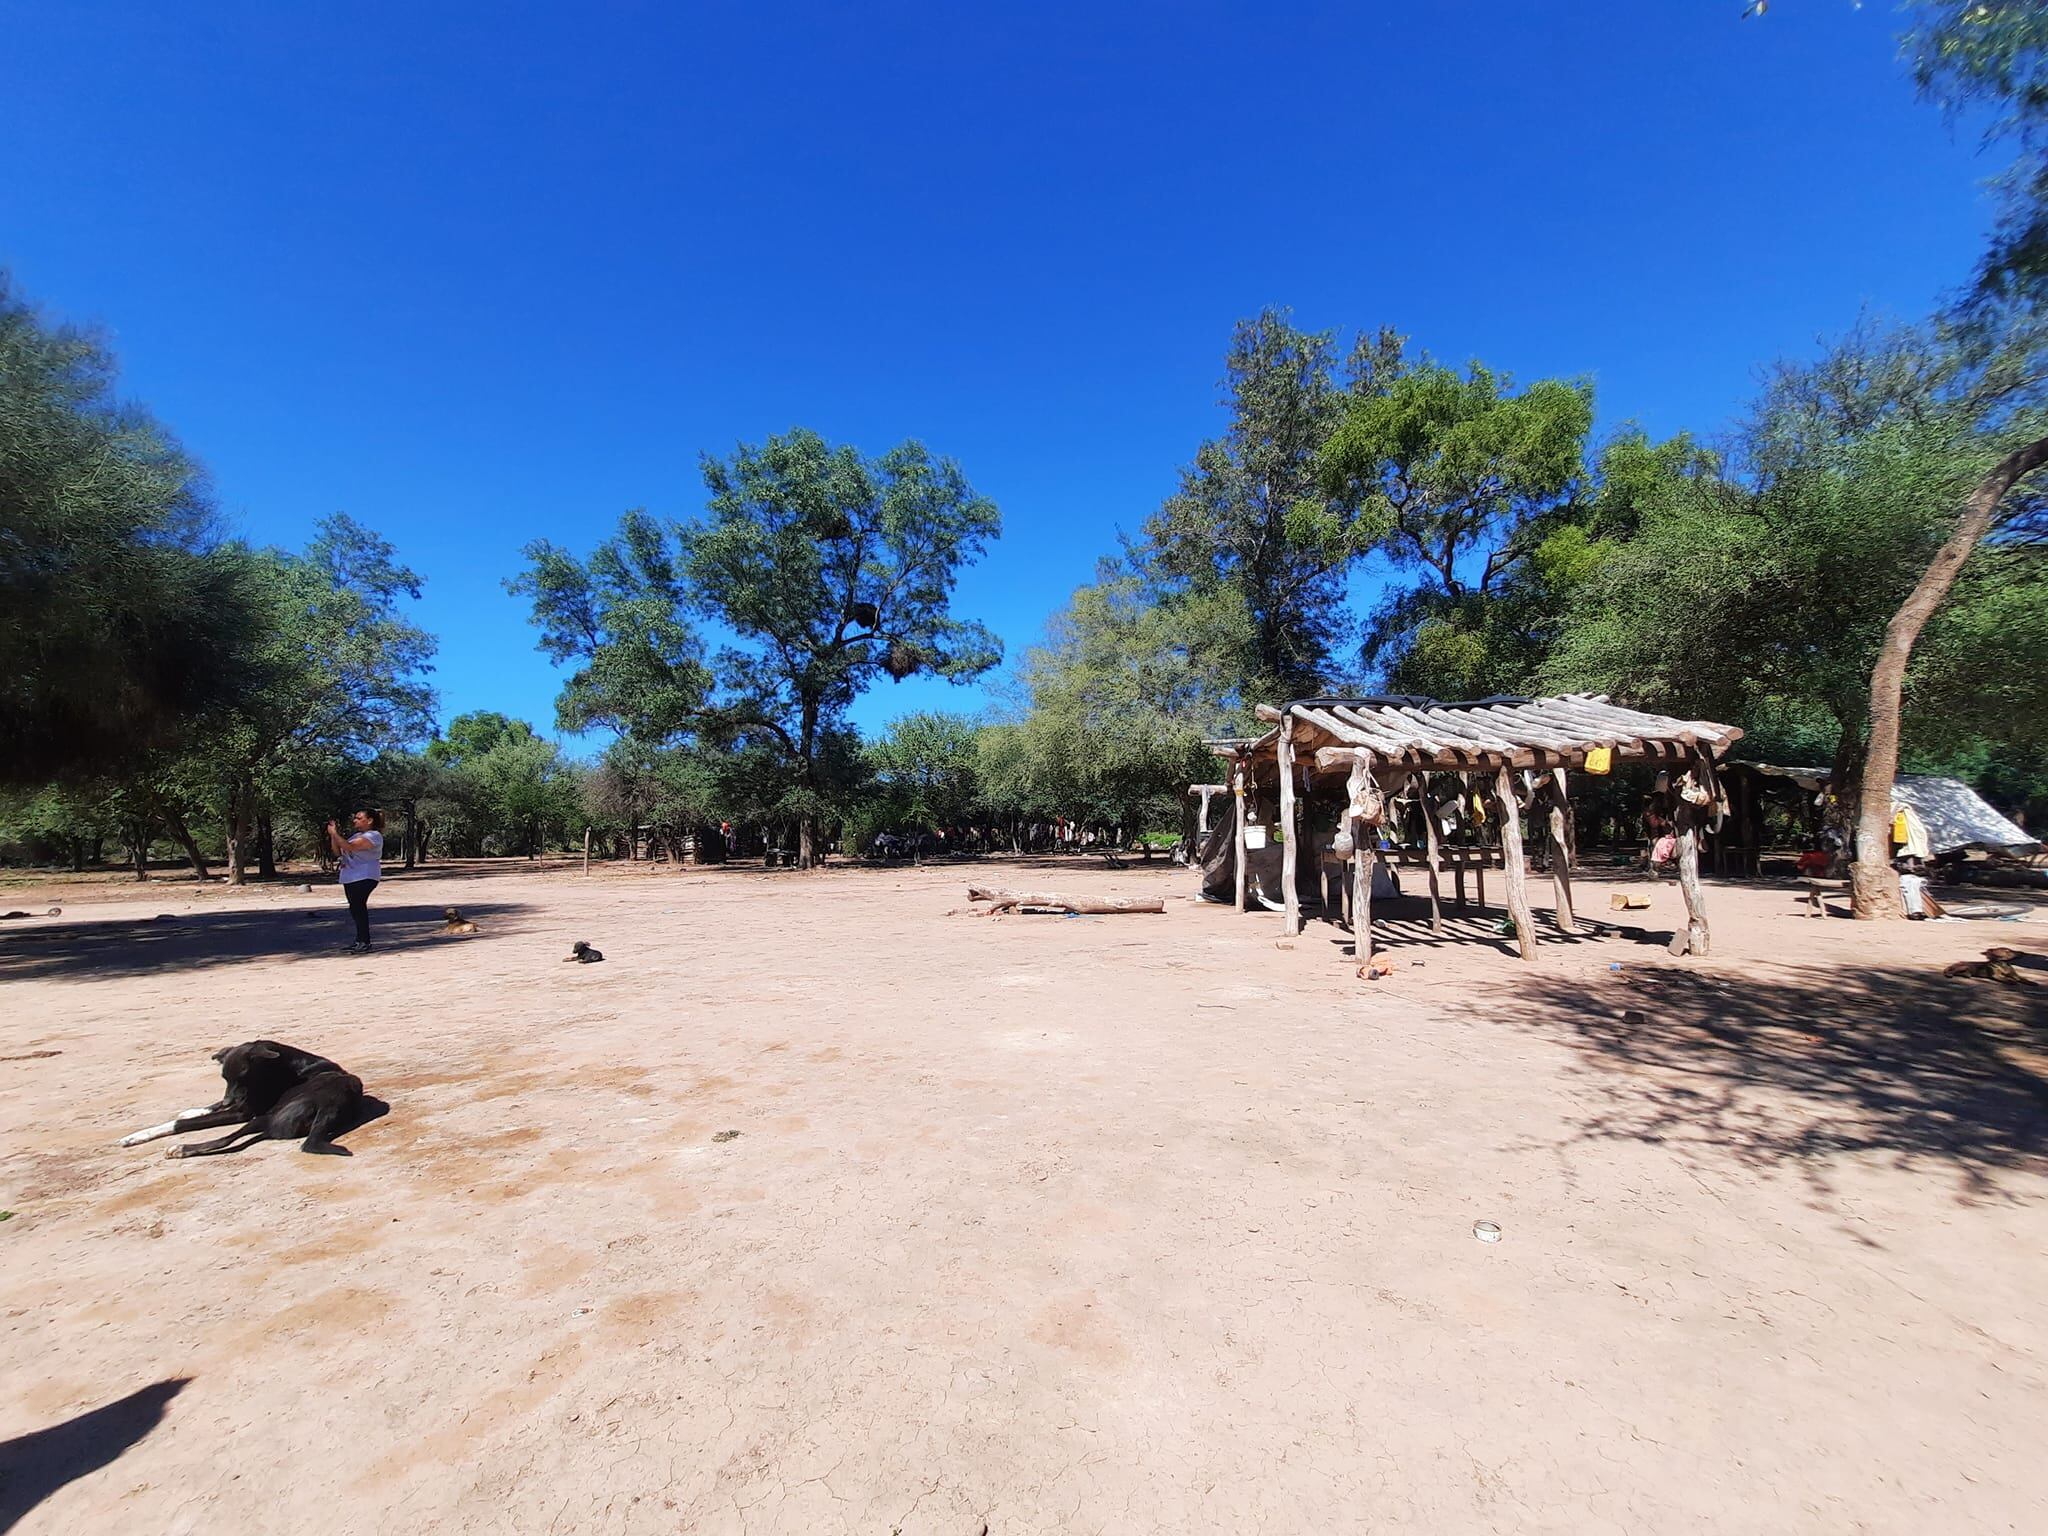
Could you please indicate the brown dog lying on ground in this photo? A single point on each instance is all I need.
(1997, 965)
(454, 922)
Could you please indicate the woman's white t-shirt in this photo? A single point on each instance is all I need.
(363, 863)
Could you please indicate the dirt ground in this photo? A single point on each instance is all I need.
(1124, 1224)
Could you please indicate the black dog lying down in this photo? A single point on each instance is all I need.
(274, 1093)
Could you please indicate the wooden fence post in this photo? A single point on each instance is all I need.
(1511, 857)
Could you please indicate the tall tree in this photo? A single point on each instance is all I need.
(1767, 587)
(926, 764)
(122, 620)
(622, 617)
(334, 669)
(1462, 477)
(1252, 515)
(1121, 695)
(833, 569)
(1991, 54)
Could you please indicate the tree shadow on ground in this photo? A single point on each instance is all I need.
(1814, 1063)
(196, 940)
(36, 1465)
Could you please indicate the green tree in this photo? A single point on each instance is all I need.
(1768, 587)
(332, 671)
(1464, 478)
(1253, 517)
(833, 569)
(122, 620)
(1120, 699)
(621, 617)
(926, 764)
(1992, 56)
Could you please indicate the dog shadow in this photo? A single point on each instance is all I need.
(36, 1465)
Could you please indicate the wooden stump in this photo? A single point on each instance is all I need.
(1511, 857)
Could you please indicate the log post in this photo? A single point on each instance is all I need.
(1511, 859)
(1436, 911)
(1694, 939)
(586, 850)
(1290, 845)
(1362, 857)
(1561, 858)
(1237, 785)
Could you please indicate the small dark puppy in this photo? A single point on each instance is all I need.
(258, 1074)
(317, 1109)
(583, 954)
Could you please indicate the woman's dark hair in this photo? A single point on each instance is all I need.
(376, 818)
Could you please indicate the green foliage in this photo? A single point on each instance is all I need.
(1121, 697)
(1252, 520)
(1993, 55)
(832, 569)
(925, 768)
(622, 615)
(1759, 589)
(122, 620)
(1463, 480)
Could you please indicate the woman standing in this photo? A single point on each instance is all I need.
(360, 854)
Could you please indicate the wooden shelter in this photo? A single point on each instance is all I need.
(1503, 756)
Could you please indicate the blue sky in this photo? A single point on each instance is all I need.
(478, 275)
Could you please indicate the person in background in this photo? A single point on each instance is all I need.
(361, 853)
(1913, 892)
(1814, 860)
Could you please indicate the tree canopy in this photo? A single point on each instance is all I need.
(124, 619)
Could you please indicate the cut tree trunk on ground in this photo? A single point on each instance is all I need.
(1052, 901)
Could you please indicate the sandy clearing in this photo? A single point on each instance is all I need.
(1124, 1224)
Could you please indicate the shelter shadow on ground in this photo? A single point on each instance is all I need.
(1814, 1063)
(1403, 924)
(36, 1465)
(191, 940)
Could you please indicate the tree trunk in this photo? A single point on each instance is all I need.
(266, 849)
(412, 835)
(182, 835)
(238, 834)
(1874, 885)
(136, 835)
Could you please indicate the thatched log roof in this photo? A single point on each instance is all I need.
(1428, 734)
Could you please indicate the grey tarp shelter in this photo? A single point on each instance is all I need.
(1515, 752)
(1957, 818)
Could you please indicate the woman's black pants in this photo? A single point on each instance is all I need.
(358, 894)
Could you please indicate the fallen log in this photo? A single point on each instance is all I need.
(1050, 901)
